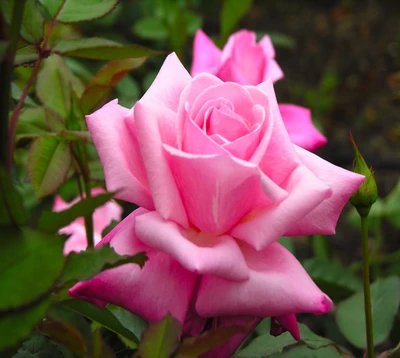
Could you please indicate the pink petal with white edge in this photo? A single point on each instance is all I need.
(278, 285)
(206, 56)
(194, 250)
(343, 183)
(300, 127)
(161, 286)
(275, 155)
(165, 194)
(266, 225)
(167, 87)
(119, 154)
(226, 181)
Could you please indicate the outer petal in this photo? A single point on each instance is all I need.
(287, 322)
(262, 227)
(162, 185)
(162, 286)
(119, 154)
(206, 56)
(77, 241)
(323, 219)
(167, 87)
(278, 285)
(226, 181)
(194, 250)
(300, 127)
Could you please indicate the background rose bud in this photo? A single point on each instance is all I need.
(244, 61)
(219, 181)
(102, 217)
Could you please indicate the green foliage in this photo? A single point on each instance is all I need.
(332, 278)
(30, 264)
(385, 297)
(267, 345)
(78, 10)
(53, 221)
(11, 207)
(232, 12)
(100, 49)
(32, 23)
(151, 28)
(102, 316)
(49, 163)
(102, 258)
(161, 339)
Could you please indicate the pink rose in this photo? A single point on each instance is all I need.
(246, 62)
(102, 217)
(219, 181)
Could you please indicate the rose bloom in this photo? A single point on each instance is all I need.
(219, 182)
(246, 62)
(102, 217)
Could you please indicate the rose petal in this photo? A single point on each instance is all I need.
(119, 154)
(206, 56)
(289, 323)
(226, 181)
(77, 241)
(194, 250)
(167, 87)
(165, 194)
(300, 127)
(266, 225)
(278, 285)
(343, 183)
(161, 286)
(230, 72)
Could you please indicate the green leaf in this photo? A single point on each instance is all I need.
(391, 209)
(332, 278)
(287, 243)
(161, 339)
(101, 316)
(31, 121)
(49, 162)
(306, 352)
(106, 78)
(350, 316)
(16, 94)
(196, 346)
(150, 28)
(66, 334)
(102, 258)
(26, 55)
(11, 206)
(39, 346)
(101, 49)
(79, 10)
(267, 345)
(53, 221)
(232, 12)
(131, 322)
(30, 264)
(281, 40)
(54, 84)
(32, 23)
(16, 325)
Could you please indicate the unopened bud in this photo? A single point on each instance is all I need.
(367, 193)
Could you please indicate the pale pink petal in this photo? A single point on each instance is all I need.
(273, 71)
(162, 286)
(168, 85)
(267, 46)
(278, 286)
(266, 225)
(165, 194)
(239, 38)
(228, 348)
(343, 183)
(119, 154)
(77, 241)
(287, 322)
(276, 155)
(206, 56)
(212, 186)
(194, 250)
(60, 204)
(300, 127)
(230, 71)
